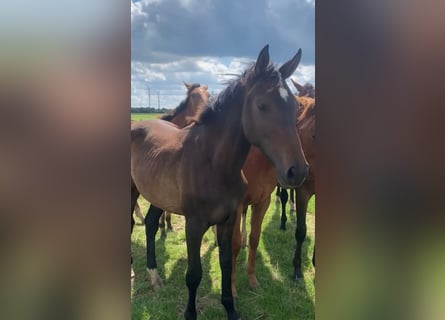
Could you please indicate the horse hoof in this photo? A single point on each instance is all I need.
(155, 279)
(163, 234)
(233, 316)
(283, 228)
(253, 283)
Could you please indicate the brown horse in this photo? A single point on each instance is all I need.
(199, 166)
(196, 100)
(261, 177)
(182, 116)
(306, 90)
(306, 129)
(187, 111)
(138, 213)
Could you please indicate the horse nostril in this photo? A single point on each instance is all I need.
(291, 173)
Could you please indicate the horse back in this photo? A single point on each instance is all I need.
(156, 153)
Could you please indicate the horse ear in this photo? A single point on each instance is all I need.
(262, 61)
(289, 67)
(187, 85)
(299, 87)
(205, 87)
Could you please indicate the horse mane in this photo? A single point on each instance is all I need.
(182, 105)
(234, 90)
(307, 108)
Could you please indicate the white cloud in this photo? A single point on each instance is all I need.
(305, 73)
(167, 78)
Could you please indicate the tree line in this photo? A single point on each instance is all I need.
(149, 110)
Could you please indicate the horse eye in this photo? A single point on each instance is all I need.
(261, 106)
(313, 136)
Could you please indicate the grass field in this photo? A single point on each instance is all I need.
(278, 298)
(144, 116)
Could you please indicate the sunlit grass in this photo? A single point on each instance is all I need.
(278, 297)
(144, 116)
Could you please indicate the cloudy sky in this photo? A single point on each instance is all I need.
(204, 40)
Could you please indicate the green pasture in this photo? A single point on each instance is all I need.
(144, 116)
(278, 297)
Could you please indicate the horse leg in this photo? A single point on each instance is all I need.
(162, 224)
(300, 232)
(151, 228)
(236, 246)
(292, 200)
(194, 230)
(257, 216)
(168, 219)
(225, 237)
(243, 228)
(278, 194)
(134, 198)
(284, 196)
(137, 211)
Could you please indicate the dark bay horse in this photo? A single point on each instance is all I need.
(184, 114)
(261, 177)
(199, 166)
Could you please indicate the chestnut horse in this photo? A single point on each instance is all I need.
(199, 166)
(183, 115)
(261, 177)
(306, 128)
(306, 90)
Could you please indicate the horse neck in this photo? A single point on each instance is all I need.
(180, 119)
(228, 146)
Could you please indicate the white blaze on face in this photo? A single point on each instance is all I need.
(283, 93)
